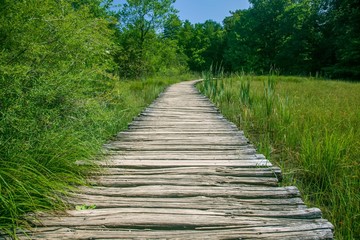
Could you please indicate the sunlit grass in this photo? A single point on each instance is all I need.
(311, 128)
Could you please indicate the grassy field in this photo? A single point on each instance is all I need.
(43, 135)
(309, 127)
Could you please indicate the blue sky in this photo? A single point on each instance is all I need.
(201, 10)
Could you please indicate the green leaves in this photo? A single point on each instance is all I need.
(54, 58)
(203, 44)
(296, 37)
(139, 38)
(85, 207)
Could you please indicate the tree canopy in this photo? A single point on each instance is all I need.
(142, 45)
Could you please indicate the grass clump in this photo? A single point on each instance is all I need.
(311, 128)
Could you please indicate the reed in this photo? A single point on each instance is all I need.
(309, 127)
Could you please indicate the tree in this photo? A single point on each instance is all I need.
(202, 43)
(343, 28)
(281, 34)
(172, 27)
(140, 22)
(240, 51)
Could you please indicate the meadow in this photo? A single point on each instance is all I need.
(45, 131)
(310, 128)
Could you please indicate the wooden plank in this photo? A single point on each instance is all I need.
(217, 153)
(185, 133)
(292, 215)
(182, 180)
(191, 124)
(196, 171)
(146, 155)
(164, 147)
(194, 191)
(174, 115)
(224, 146)
(196, 112)
(178, 136)
(170, 130)
(186, 139)
(309, 213)
(205, 203)
(163, 218)
(310, 231)
(269, 172)
(184, 155)
(183, 163)
(192, 142)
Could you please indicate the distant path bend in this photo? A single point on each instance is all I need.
(182, 171)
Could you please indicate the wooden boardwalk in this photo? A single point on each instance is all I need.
(182, 171)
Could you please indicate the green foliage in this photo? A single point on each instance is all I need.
(343, 29)
(310, 128)
(54, 57)
(85, 207)
(202, 43)
(143, 51)
(280, 34)
(297, 37)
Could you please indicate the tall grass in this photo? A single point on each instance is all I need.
(42, 139)
(311, 128)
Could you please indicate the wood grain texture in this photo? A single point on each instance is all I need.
(182, 171)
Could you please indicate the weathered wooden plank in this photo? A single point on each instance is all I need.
(187, 131)
(196, 171)
(177, 214)
(224, 146)
(174, 115)
(196, 112)
(183, 163)
(181, 139)
(185, 128)
(269, 172)
(163, 147)
(194, 191)
(161, 218)
(184, 180)
(186, 142)
(188, 125)
(196, 108)
(307, 232)
(202, 202)
(309, 213)
(217, 153)
(155, 119)
(184, 133)
(146, 155)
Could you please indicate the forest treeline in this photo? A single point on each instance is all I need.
(305, 37)
(63, 66)
(143, 37)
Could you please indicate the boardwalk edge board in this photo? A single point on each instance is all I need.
(182, 171)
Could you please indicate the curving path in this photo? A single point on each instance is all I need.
(182, 171)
